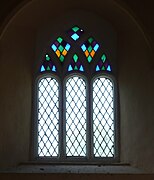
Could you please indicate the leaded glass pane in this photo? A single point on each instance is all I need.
(103, 64)
(103, 118)
(75, 117)
(48, 117)
(47, 65)
(75, 33)
(75, 64)
(89, 48)
(61, 48)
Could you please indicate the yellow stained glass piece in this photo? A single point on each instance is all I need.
(92, 53)
(58, 53)
(64, 52)
(86, 53)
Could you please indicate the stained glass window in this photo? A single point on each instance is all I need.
(89, 48)
(47, 65)
(75, 64)
(61, 48)
(103, 64)
(75, 33)
(75, 104)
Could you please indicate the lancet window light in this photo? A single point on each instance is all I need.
(76, 101)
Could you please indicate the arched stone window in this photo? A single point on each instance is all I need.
(76, 101)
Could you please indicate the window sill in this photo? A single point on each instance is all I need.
(75, 169)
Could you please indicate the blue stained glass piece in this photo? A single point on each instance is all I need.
(54, 68)
(83, 47)
(67, 47)
(42, 68)
(54, 47)
(70, 68)
(96, 47)
(97, 68)
(81, 68)
(109, 68)
(75, 36)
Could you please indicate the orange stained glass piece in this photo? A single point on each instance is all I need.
(64, 52)
(86, 53)
(58, 53)
(92, 53)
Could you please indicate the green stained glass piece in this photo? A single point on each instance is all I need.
(90, 48)
(90, 40)
(103, 58)
(103, 68)
(61, 48)
(89, 59)
(59, 39)
(47, 57)
(75, 68)
(48, 68)
(61, 58)
(75, 57)
(75, 29)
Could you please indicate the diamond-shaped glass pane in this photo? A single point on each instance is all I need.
(75, 117)
(103, 118)
(48, 117)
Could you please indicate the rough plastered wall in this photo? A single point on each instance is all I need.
(16, 58)
(135, 79)
(136, 100)
(136, 96)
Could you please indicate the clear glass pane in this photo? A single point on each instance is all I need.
(75, 117)
(103, 118)
(48, 117)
